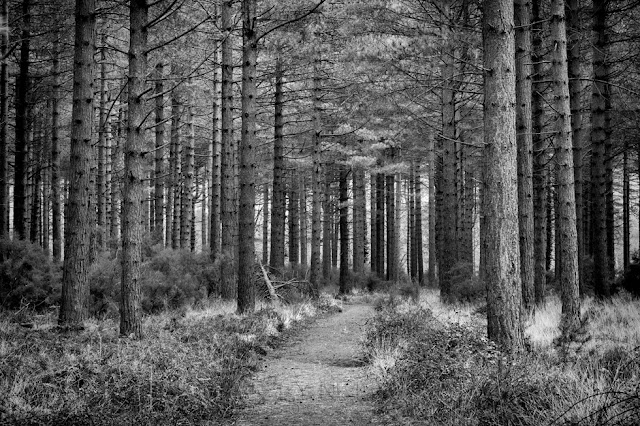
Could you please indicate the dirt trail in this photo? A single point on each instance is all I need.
(316, 379)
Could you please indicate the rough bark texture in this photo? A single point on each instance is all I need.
(525, 150)
(56, 210)
(392, 245)
(598, 156)
(380, 235)
(101, 181)
(563, 145)
(216, 147)
(315, 275)
(20, 153)
(304, 257)
(246, 246)
(432, 277)
(344, 285)
(359, 212)
(327, 226)
(374, 227)
(133, 194)
(417, 247)
(228, 207)
(279, 200)
(158, 220)
(499, 225)
(175, 163)
(4, 110)
(186, 197)
(539, 163)
(75, 287)
(626, 189)
(294, 218)
(576, 85)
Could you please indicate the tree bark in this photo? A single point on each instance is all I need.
(20, 154)
(380, 234)
(216, 156)
(228, 207)
(374, 224)
(417, 248)
(626, 228)
(279, 198)
(133, 194)
(246, 246)
(599, 131)
(175, 162)
(294, 218)
(186, 195)
(359, 212)
(303, 221)
(4, 116)
(539, 162)
(432, 277)
(158, 222)
(392, 246)
(315, 275)
(568, 244)
(525, 152)
(344, 285)
(265, 224)
(327, 227)
(499, 225)
(75, 287)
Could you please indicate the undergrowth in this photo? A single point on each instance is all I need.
(187, 370)
(434, 365)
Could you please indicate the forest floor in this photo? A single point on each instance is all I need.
(319, 377)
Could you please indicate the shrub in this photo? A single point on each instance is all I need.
(465, 284)
(27, 276)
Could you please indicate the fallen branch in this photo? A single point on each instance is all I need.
(272, 291)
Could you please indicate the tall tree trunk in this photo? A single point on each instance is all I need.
(574, 33)
(36, 179)
(20, 155)
(316, 188)
(158, 222)
(133, 194)
(116, 185)
(392, 246)
(601, 273)
(525, 151)
(374, 224)
(449, 257)
(327, 227)
(359, 212)
(569, 278)
(4, 116)
(344, 231)
(75, 287)
(279, 197)
(412, 259)
(626, 228)
(246, 249)
(431, 159)
(417, 248)
(228, 207)
(539, 162)
(499, 225)
(265, 224)
(303, 221)
(175, 162)
(216, 157)
(101, 183)
(186, 195)
(294, 219)
(380, 235)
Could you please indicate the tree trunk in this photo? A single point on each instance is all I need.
(303, 221)
(626, 189)
(499, 226)
(431, 159)
(392, 246)
(20, 153)
(216, 153)
(574, 33)
(599, 131)
(539, 162)
(358, 219)
(246, 248)
(116, 185)
(265, 224)
(75, 287)
(374, 224)
(327, 227)
(380, 236)
(36, 180)
(316, 188)
(417, 248)
(569, 278)
(158, 222)
(344, 231)
(279, 196)
(294, 219)
(4, 115)
(228, 207)
(175, 161)
(101, 192)
(133, 195)
(186, 195)
(412, 259)
(525, 151)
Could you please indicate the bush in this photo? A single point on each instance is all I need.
(465, 284)
(28, 277)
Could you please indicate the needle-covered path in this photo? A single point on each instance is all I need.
(317, 378)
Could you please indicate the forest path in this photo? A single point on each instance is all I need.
(317, 378)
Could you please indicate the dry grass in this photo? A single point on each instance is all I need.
(188, 368)
(446, 372)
